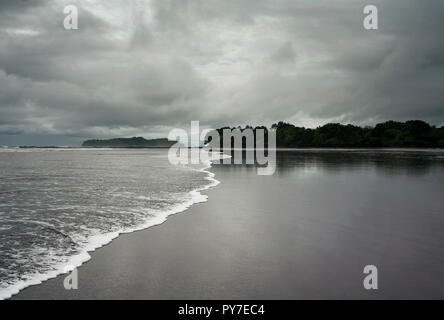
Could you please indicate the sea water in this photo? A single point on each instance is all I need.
(56, 205)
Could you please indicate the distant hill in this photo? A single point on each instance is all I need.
(135, 142)
(390, 134)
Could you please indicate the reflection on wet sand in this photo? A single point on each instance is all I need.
(394, 161)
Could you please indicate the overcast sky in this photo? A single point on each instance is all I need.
(141, 67)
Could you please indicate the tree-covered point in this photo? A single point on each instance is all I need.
(414, 133)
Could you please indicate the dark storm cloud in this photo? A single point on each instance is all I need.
(141, 67)
(9, 6)
(284, 54)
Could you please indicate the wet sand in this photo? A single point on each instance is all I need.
(305, 233)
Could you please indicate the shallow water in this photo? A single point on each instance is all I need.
(57, 204)
(306, 232)
(309, 230)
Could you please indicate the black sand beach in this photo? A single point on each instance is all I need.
(306, 232)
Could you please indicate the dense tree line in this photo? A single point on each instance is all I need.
(414, 133)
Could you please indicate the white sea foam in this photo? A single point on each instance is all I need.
(97, 241)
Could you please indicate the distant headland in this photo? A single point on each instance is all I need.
(135, 142)
(390, 134)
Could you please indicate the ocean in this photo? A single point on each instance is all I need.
(306, 232)
(56, 205)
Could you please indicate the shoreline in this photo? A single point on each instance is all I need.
(99, 241)
(231, 149)
(284, 236)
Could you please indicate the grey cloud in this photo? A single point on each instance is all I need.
(11, 6)
(284, 54)
(145, 66)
